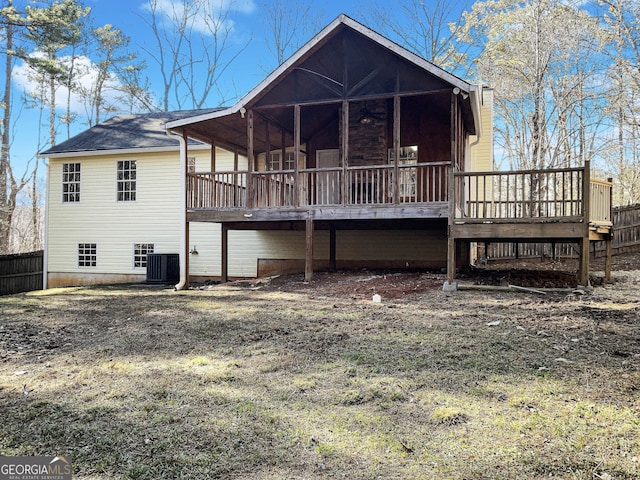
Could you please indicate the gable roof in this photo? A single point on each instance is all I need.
(124, 132)
(328, 32)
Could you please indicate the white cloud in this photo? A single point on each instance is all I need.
(205, 16)
(25, 78)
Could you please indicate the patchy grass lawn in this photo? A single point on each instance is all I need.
(295, 382)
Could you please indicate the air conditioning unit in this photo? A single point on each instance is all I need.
(163, 267)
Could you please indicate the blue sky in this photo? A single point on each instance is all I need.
(253, 64)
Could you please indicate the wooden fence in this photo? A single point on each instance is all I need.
(21, 272)
(626, 237)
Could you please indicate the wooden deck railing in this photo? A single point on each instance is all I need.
(600, 205)
(216, 190)
(528, 195)
(360, 186)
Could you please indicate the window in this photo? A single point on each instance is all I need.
(140, 252)
(408, 156)
(191, 164)
(70, 182)
(289, 161)
(87, 256)
(126, 180)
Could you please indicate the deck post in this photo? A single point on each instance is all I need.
(583, 272)
(224, 252)
(332, 248)
(250, 159)
(308, 260)
(607, 260)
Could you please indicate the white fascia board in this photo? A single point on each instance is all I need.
(122, 151)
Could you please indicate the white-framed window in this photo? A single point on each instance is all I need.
(408, 156)
(71, 182)
(191, 164)
(275, 160)
(140, 252)
(87, 255)
(126, 180)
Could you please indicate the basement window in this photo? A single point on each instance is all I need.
(87, 255)
(140, 252)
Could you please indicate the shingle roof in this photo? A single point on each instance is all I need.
(125, 132)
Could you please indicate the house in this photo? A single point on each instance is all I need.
(357, 138)
(352, 153)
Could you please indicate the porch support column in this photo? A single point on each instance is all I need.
(308, 260)
(213, 155)
(224, 253)
(250, 159)
(296, 155)
(396, 149)
(344, 147)
(267, 155)
(450, 284)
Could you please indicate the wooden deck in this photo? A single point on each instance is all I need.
(360, 193)
(485, 205)
(537, 204)
(552, 205)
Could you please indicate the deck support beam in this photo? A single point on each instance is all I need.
(332, 248)
(607, 260)
(451, 259)
(224, 252)
(308, 257)
(583, 269)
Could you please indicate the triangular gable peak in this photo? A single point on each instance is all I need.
(352, 63)
(346, 60)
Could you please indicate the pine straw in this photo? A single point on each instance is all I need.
(291, 382)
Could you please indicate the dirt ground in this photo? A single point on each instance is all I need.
(275, 379)
(363, 284)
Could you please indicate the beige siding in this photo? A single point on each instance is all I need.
(114, 226)
(399, 248)
(481, 154)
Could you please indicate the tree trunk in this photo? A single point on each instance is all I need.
(6, 210)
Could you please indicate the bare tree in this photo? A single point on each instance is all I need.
(542, 58)
(9, 187)
(113, 75)
(194, 47)
(621, 157)
(429, 29)
(289, 24)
